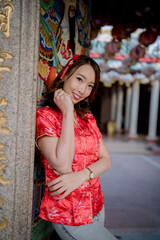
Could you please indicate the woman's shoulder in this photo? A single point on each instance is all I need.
(48, 111)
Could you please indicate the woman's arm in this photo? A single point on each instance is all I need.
(104, 162)
(60, 151)
(69, 182)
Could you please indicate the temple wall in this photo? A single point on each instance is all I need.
(19, 48)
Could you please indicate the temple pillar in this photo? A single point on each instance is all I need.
(119, 110)
(127, 108)
(19, 49)
(134, 111)
(153, 113)
(113, 104)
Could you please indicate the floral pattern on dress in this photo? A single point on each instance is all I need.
(81, 205)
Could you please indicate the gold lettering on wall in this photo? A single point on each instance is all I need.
(3, 102)
(1, 145)
(1, 169)
(5, 19)
(5, 28)
(3, 130)
(4, 181)
(2, 166)
(3, 224)
(3, 56)
(2, 158)
(1, 201)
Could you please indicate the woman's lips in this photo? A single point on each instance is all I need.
(76, 96)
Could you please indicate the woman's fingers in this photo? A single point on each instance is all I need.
(64, 195)
(65, 184)
(55, 187)
(63, 100)
(58, 192)
(58, 93)
(53, 182)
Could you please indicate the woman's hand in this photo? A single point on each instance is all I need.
(63, 101)
(67, 183)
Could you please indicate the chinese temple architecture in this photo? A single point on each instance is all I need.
(128, 52)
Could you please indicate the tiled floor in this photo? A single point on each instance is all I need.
(132, 189)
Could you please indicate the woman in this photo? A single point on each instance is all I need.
(73, 153)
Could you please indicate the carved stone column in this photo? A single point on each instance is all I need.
(19, 48)
(127, 108)
(119, 110)
(113, 104)
(153, 114)
(134, 111)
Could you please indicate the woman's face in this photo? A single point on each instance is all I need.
(80, 84)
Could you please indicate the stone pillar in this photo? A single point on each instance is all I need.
(113, 104)
(127, 108)
(19, 49)
(134, 111)
(153, 114)
(119, 110)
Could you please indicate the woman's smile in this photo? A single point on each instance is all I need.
(80, 84)
(76, 96)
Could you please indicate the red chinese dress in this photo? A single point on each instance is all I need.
(81, 205)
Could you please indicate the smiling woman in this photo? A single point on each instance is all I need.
(73, 153)
(76, 67)
(80, 84)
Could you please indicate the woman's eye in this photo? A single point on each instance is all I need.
(79, 79)
(90, 86)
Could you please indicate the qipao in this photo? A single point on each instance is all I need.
(84, 203)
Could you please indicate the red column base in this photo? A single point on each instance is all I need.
(151, 140)
(132, 137)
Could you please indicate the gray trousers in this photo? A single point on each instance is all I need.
(92, 231)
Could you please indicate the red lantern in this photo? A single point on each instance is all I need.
(112, 47)
(148, 37)
(119, 32)
(137, 52)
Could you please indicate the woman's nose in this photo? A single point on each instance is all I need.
(82, 88)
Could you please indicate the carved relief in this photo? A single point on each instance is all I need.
(3, 130)
(2, 158)
(5, 181)
(5, 19)
(3, 102)
(3, 56)
(1, 145)
(5, 23)
(1, 201)
(3, 224)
